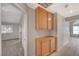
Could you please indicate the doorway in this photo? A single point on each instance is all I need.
(11, 30)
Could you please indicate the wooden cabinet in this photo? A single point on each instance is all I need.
(50, 21)
(41, 18)
(45, 46)
(53, 44)
(44, 19)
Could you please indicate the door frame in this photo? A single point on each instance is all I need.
(21, 7)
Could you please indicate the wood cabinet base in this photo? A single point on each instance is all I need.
(45, 45)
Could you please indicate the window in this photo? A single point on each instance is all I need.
(75, 29)
(6, 29)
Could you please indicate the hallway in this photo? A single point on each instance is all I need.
(71, 49)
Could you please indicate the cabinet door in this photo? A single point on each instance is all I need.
(41, 18)
(46, 47)
(50, 21)
(38, 47)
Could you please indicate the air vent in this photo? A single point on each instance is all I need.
(67, 5)
(45, 5)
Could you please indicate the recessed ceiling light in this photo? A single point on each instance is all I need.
(71, 11)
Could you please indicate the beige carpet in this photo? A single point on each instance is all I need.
(12, 48)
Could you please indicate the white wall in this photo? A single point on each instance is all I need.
(0, 30)
(62, 31)
(10, 13)
(66, 32)
(24, 34)
(14, 34)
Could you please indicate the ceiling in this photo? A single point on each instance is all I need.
(10, 14)
(76, 22)
(65, 9)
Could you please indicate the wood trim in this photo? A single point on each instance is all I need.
(50, 45)
(36, 47)
(36, 25)
(47, 20)
(55, 43)
(41, 47)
